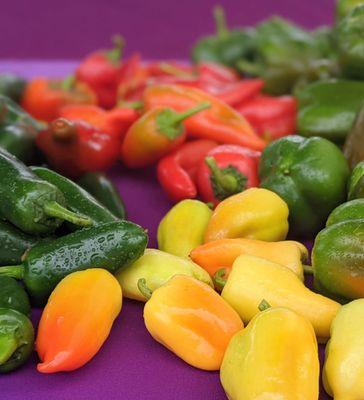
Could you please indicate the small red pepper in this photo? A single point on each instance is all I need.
(227, 170)
(74, 148)
(158, 132)
(101, 71)
(177, 172)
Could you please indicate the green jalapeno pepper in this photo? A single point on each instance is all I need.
(13, 295)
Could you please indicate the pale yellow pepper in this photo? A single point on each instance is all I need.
(274, 358)
(343, 374)
(157, 267)
(183, 227)
(253, 214)
(253, 279)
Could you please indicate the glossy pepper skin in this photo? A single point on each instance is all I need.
(351, 210)
(177, 171)
(177, 237)
(16, 339)
(157, 133)
(108, 246)
(246, 215)
(213, 256)
(328, 108)
(156, 267)
(12, 295)
(220, 122)
(253, 279)
(354, 143)
(43, 98)
(356, 182)
(77, 320)
(344, 368)
(310, 175)
(274, 357)
(192, 320)
(225, 171)
(74, 148)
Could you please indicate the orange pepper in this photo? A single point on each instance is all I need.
(44, 97)
(192, 320)
(77, 319)
(220, 123)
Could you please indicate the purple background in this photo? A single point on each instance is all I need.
(67, 29)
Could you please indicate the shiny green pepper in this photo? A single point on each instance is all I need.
(356, 182)
(13, 295)
(351, 210)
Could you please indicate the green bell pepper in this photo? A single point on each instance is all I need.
(356, 182)
(354, 144)
(328, 108)
(13, 295)
(344, 7)
(310, 175)
(350, 210)
(12, 86)
(16, 339)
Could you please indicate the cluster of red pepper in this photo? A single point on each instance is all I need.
(142, 112)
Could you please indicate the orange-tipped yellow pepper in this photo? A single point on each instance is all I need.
(77, 319)
(252, 278)
(192, 320)
(253, 214)
(273, 358)
(213, 256)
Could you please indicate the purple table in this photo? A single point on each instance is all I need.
(130, 365)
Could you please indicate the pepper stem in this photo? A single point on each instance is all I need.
(219, 280)
(8, 345)
(220, 21)
(13, 271)
(179, 117)
(135, 105)
(144, 289)
(67, 83)
(114, 55)
(307, 269)
(54, 209)
(63, 130)
(226, 181)
(264, 305)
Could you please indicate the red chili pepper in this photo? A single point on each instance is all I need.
(271, 117)
(209, 72)
(177, 171)
(225, 171)
(74, 148)
(101, 71)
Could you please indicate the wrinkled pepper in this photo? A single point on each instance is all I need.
(213, 256)
(156, 267)
(77, 320)
(157, 133)
(192, 320)
(344, 367)
(177, 237)
(225, 171)
(354, 143)
(310, 175)
(252, 279)
(274, 357)
(43, 98)
(356, 182)
(73, 148)
(177, 171)
(247, 215)
(220, 122)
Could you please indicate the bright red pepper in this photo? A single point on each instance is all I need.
(210, 72)
(177, 171)
(101, 71)
(225, 171)
(74, 148)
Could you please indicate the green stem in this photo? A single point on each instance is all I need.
(227, 182)
(114, 55)
(144, 289)
(68, 83)
(307, 269)
(179, 117)
(13, 271)
(264, 305)
(53, 209)
(220, 22)
(8, 345)
(219, 280)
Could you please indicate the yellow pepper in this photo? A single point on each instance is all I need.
(273, 358)
(157, 267)
(254, 214)
(183, 227)
(343, 374)
(252, 279)
(77, 319)
(222, 253)
(192, 320)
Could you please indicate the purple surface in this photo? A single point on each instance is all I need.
(130, 365)
(69, 29)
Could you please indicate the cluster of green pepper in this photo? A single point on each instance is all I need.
(38, 249)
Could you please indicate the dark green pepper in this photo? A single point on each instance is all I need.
(350, 41)
(328, 108)
(12, 86)
(102, 188)
(111, 246)
(30, 203)
(356, 182)
(350, 210)
(344, 7)
(226, 47)
(16, 339)
(13, 295)
(354, 144)
(78, 200)
(310, 175)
